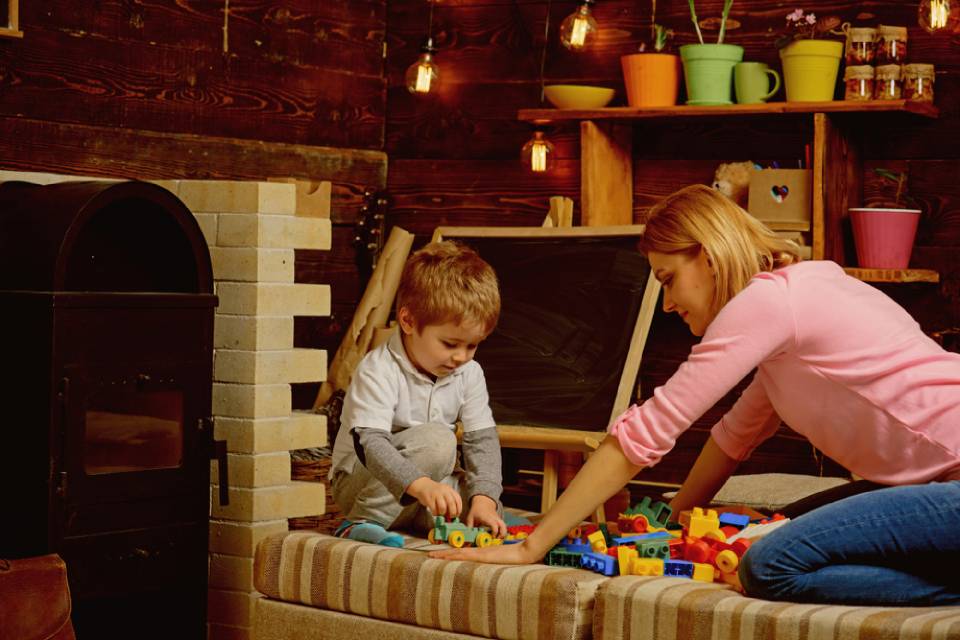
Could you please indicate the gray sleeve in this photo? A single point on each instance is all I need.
(482, 463)
(375, 449)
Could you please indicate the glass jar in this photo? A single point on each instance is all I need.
(918, 82)
(891, 45)
(861, 46)
(858, 81)
(886, 84)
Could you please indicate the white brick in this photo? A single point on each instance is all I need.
(221, 196)
(208, 226)
(313, 199)
(252, 333)
(300, 430)
(233, 608)
(294, 500)
(252, 265)
(270, 367)
(242, 538)
(256, 470)
(251, 400)
(231, 572)
(274, 232)
(274, 299)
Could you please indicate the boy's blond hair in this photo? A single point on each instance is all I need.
(449, 282)
(738, 245)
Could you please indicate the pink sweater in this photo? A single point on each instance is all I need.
(837, 360)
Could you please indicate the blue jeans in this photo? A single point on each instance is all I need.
(892, 546)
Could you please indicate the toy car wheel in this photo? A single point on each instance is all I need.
(431, 536)
(727, 561)
(484, 539)
(640, 524)
(456, 539)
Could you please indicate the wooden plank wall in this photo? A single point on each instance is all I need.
(453, 157)
(178, 89)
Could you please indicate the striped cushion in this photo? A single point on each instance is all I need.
(497, 601)
(643, 608)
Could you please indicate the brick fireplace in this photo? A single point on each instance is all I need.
(252, 230)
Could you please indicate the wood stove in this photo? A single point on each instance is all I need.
(107, 302)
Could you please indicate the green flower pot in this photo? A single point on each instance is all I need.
(708, 72)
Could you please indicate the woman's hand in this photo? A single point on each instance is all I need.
(518, 553)
(483, 511)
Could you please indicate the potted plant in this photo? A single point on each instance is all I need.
(708, 68)
(652, 78)
(884, 234)
(810, 57)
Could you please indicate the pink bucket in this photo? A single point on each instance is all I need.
(884, 237)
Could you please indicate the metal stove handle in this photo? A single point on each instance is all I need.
(218, 452)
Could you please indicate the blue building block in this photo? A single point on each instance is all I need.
(598, 562)
(734, 520)
(678, 568)
(642, 537)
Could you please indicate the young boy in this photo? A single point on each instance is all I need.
(395, 458)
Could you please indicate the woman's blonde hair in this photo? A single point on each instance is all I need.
(449, 282)
(738, 245)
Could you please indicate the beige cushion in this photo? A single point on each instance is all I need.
(508, 602)
(642, 608)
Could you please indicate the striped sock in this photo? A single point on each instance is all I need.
(368, 532)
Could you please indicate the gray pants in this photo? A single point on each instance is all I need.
(432, 448)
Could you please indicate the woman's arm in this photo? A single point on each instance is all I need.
(712, 468)
(604, 473)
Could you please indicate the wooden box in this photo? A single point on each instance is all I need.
(781, 198)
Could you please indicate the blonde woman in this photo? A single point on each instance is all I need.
(836, 360)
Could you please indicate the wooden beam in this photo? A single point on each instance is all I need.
(606, 174)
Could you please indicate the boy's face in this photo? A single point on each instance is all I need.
(438, 349)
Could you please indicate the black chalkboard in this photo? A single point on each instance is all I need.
(571, 311)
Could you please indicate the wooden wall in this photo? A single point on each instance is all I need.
(453, 157)
(179, 89)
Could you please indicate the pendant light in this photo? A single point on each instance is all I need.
(422, 76)
(537, 155)
(935, 14)
(578, 29)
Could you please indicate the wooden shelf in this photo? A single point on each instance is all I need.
(545, 116)
(894, 275)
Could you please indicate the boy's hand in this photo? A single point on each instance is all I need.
(483, 511)
(440, 499)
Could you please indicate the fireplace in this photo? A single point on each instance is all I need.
(107, 314)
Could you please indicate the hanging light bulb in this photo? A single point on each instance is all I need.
(422, 75)
(934, 14)
(537, 154)
(577, 29)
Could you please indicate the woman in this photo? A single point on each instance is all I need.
(839, 362)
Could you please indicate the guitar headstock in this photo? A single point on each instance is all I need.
(370, 230)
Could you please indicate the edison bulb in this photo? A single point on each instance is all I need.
(577, 30)
(934, 14)
(537, 154)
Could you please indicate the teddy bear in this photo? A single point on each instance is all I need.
(732, 179)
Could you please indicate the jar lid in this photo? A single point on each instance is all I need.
(892, 30)
(888, 72)
(918, 69)
(858, 72)
(863, 33)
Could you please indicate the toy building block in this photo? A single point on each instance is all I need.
(702, 522)
(703, 572)
(631, 524)
(678, 568)
(657, 514)
(560, 557)
(654, 549)
(625, 556)
(643, 537)
(597, 542)
(646, 567)
(734, 520)
(677, 548)
(598, 562)
(577, 546)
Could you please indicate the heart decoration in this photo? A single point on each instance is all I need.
(779, 193)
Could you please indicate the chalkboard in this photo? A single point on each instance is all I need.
(576, 307)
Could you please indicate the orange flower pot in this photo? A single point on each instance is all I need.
(651, 79)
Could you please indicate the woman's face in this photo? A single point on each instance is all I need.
(689, 286)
